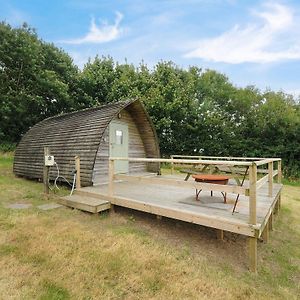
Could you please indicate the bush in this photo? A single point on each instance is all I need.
(7, 147)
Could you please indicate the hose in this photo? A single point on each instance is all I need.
(64, 178)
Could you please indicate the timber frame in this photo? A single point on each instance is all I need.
(253, 229)
(261, 189)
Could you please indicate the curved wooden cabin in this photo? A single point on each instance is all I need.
(122, 129)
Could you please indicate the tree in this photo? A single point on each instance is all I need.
(36, 81)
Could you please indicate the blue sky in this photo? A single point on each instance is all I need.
(252, 42)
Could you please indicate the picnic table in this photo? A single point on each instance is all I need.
(214, 169)
(210, 178)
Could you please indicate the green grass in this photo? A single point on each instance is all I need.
(291, 182)
(68, 254)
(52, 291)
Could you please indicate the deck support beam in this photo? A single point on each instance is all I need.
(253, 254)
(112, 208)
(220, 234)
(252, 216)
(265, 233)
(271, 222)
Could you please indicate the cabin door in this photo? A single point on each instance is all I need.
(118, 145)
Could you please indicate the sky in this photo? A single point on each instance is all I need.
(252, 42)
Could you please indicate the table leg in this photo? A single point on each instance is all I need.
(187, 177)
(197, 194)
(224, 196)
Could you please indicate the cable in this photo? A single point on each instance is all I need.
(65, 179)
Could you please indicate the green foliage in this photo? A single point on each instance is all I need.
(36, 81)
(7, 147)
(201, 112)
(194, 111)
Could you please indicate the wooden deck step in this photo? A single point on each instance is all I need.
(85, 203)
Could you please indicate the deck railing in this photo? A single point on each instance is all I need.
(251, 163)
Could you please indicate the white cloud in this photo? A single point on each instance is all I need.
(270, 39)
(100, 34)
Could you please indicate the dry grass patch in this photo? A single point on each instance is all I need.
(68, 254)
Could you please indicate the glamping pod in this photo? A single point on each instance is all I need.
(121, 129)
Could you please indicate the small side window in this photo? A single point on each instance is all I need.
(119, 137)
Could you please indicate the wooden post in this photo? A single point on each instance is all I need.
(172, 165)
(46, 170)
(253, 254)
(270, 178)
(265, 233)
(252, 193)
(279, 176)
(279, 202)
(77, 167)
(270, 222)
(111, 173)
(252, 216)
(220, 234)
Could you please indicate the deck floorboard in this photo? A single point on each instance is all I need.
(152, 197)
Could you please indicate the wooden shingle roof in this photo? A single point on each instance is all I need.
(68, 135)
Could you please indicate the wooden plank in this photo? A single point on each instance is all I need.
(262, 181)
(184, 161)
(218, 157)
(143, 195)
(184, 184)
(253, 254)
(265, 161)
(270, 210)
(232, 225)
(85, 203)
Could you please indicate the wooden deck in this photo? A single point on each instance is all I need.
(85, 203)
(179, 203)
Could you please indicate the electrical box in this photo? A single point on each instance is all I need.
(49, 160)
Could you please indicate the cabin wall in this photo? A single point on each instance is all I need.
(135, 149)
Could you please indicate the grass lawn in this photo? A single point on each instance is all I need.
(68, 254)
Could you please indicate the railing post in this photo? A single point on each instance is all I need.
(252, 193)
(77, 167)
(279, 176)
(270, 178)
(172, 165)
(252, 216)
(111, 173)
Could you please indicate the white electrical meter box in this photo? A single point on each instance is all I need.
(49, 160)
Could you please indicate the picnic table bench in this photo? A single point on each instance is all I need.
(212, 169)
